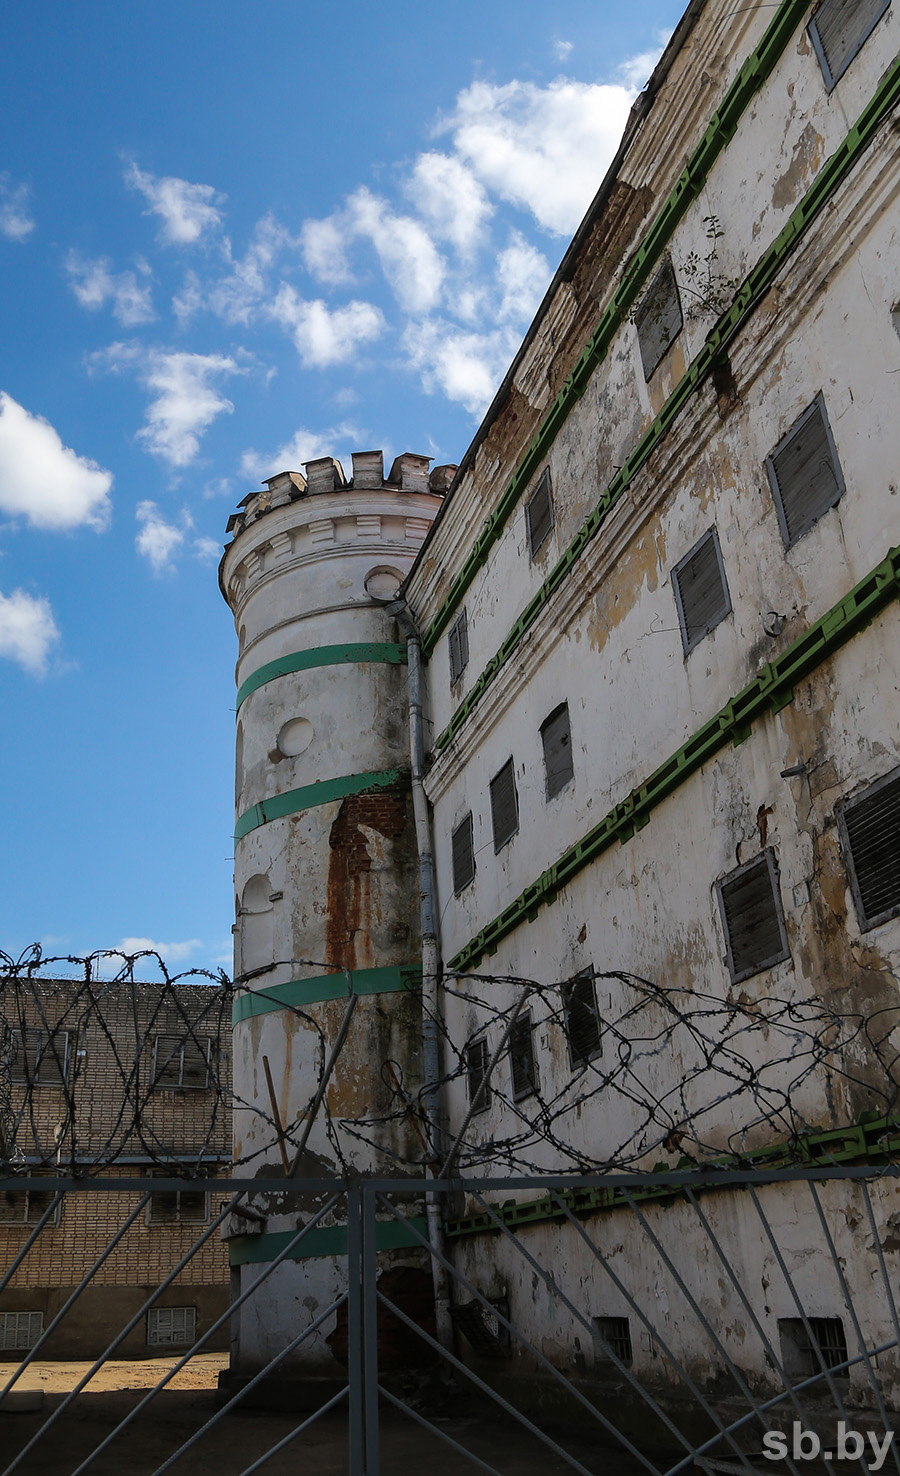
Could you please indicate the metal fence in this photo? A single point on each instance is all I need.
(731, 1321)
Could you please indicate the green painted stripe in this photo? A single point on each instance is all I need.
(391, 652)
(745, 303)
(720, 130)
(327, 1240)
(309, 795)
(297, 993)
(771, 690)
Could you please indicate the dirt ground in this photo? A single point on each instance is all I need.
(242, 1438)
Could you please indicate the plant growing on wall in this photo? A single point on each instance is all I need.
(698, 276)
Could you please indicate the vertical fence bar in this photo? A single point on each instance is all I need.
(370, 1330)
(356, 1421)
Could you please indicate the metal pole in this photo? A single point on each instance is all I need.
(370, 1330)
(357, 1422)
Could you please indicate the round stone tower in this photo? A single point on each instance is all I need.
(326, 883)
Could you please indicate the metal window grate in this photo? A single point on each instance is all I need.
(658, 319)
(839, 29)
(701, 590)
(463, 847)
(167, 1326)
(475, 1063)
(750, 903)
(804, 1351)
(504, 805)
(804, 473)
(25, 1206)
(556, 738)
(539, 514)
(582, 1020)
(19, 1331)
(483, 1328)
(181, 1063)
(523, 1065)
(871, 830)
(615, 1332)
(178, 1207)
(459, 647)
(42, 1058)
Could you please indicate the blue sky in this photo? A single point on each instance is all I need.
(233, 238)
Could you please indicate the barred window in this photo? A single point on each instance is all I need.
(556, 740)
(459, 647)
(167, 1326)
(701, 591)
(181, 1062)
(539, 514)
(805, 1348)
(19, 1331)
(870, 830)
(42, 1058)
(504, 805)
(581, 1019)
(475, 1065)
(750, 904)
(839, 29)
(463, 848)
(613, 1337)
(178, 1206)
(804, 473)
(27, 1205)
(523, 1065)
(658, 319)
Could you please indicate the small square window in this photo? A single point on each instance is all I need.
(839, 29)
(19, 1331)
(615, 1334)
(504, 806)
(181, 1062)
(805, 1348)
(658, 319)
(521, 1057)
(475, 1065)
(581, 1019)
(178, 1206)
(750, 904)
(804, 473)
(463, 854)
(459, 647)
(539, 514)
(171, 1326)
(42, 1058)
(870, 830)
(26, 1206)
(556, 739)
(701, 592)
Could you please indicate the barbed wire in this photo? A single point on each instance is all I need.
(688, 1075)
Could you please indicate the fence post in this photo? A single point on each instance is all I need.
(370, 1331)
(355, 1333)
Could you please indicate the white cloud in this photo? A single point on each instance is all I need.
(237, 296)
(158, 540)
(184, 402)
(324, 337)
(207, 550)
(27, 630)
(635, 71)
(305, 445)
(466, 367)
(546, 149)
(45, 481)
(94, 285)
(169, 952)
(447, 192)
(562, 49)
(187, 210)
(324, 244)
(523, 275)
(408, 256)
(16, 221)
(190, 299)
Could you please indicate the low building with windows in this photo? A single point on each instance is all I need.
(117, 1080)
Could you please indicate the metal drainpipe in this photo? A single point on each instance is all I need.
(431, 1055)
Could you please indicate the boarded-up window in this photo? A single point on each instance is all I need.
(870, 826)
(504, 805)
(838, 30)
(557, 742)
(463, 855)
(658, 319)
(521, 1058)
(19, 1331)
(581, 1019)
(539, 514)
(750, 904)
(701, 592)
(26, 1206)
(167, 1326)
(42, 1058)
(613, 1336)
(181, 1062)
(804, 473)
(805, 1347)
(475, 1065)
(459, 647)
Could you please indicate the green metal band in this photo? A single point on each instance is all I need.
(391, 652)
(745, 303)
(771, 690)
(720, 130)
(871, 1139)
(305, 798)
(322, 1240)
(297, 993)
